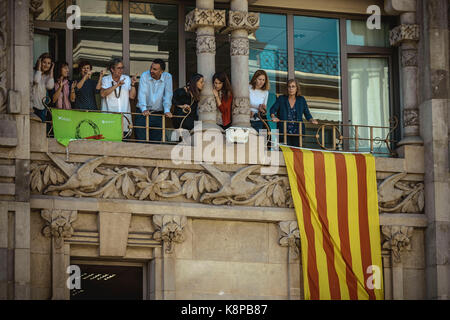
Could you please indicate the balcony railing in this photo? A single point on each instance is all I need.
(325, 136)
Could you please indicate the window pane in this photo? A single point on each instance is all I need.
(153, 34)
(100, 38)
(268, 51)
(54, 10)
(369, 99)
(317, 65)
(359, 35)
(52, 41)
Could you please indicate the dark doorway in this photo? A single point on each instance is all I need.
(103, 282)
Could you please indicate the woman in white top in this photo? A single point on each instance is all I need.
(259, 93)
(42, 81)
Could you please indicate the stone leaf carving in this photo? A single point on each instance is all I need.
(206, 44)
(210, 186)
(36, 8)
(397, 239)
(169, 228)
(204, 18)
(58, 224)
(411, 117)
(241, 105)
(289, 236)
(398, 196)
(239, 47)
(404, 32)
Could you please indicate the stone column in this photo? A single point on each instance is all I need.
(406, 36)
(240, 24)
(204, 20)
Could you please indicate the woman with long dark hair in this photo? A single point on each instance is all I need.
(42, 81)
(64, 93)
(186, 101)
(291, 107)
(224, 98)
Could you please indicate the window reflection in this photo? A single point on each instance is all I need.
(359, 35)
(100, 38)
(153, 34)
(317, 65)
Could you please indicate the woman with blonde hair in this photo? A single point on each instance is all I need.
(259, 93)
(291, 107)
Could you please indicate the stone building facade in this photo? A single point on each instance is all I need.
(189, 235)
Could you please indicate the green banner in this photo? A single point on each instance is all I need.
(71, 125)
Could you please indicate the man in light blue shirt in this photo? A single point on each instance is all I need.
(154, 100)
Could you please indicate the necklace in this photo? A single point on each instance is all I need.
(115, 92)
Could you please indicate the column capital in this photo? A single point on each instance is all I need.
(58, 224)
(404, 32)
(169, 228)
(205, 18)
(238, 20)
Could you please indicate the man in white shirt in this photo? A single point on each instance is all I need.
(117, 90)
(154, 100)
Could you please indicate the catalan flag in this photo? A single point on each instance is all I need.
(335, 199)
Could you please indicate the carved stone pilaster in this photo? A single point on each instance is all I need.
(404, 32)
(204, 18)
(169, 229)
(239, 47)
(58, 224)
(289, 236)
(3, 54)
(397, 239)
(206, 44)
(241, 105)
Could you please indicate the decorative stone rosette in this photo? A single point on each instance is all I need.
(397, 239)
(58, 224)
(204, 18)
(289, 236)
(404, 32)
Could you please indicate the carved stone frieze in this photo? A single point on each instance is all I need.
(169, 228)
(239, 47)
(411, 117)
(207, 104)
(206, 44)
(241, 105)
(58, 224)
(404, 32)
(244, 187)
(289, 236)
(204, 18)
(400, 196)
(397, 239)
(409, 58)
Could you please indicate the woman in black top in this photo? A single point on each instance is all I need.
(186, 101)
(87, 88)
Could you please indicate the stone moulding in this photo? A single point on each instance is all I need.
(397, 239)
(204, 18)
(398, 196)
(239, 47)
(289, 236)
(58, 224)
(404, 32)
(169, 229)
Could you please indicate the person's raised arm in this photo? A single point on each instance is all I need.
(132, 87)
(99, 82)
(106, 92)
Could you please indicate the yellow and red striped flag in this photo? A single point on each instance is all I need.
(336, 203)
